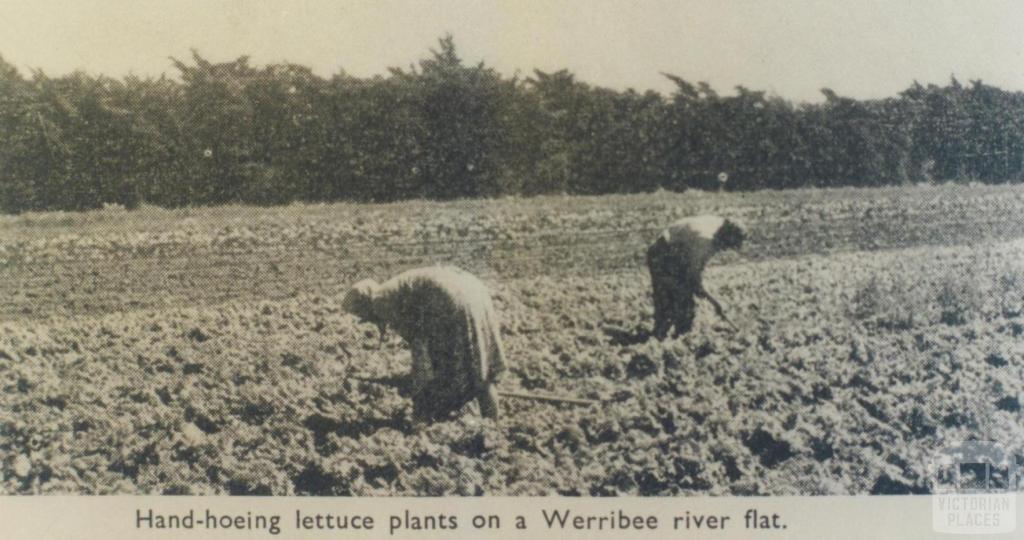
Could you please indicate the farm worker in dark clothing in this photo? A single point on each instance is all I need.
(677, 259)
(446, 316)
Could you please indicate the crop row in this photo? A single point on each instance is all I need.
(828, 388)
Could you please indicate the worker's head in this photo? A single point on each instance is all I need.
(729, 236)
(359, 299)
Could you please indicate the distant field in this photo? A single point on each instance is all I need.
(106, 261)
(203, 350)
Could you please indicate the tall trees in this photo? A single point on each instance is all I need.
(232, 132)
(24, 163)
(460, 109)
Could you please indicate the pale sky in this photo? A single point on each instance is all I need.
(792, 48)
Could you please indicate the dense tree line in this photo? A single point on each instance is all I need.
(232, 132)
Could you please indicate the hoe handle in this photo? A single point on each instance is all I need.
(552, 399)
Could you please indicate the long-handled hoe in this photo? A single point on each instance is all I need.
(505, 393)
(718, 308)
(548, 398)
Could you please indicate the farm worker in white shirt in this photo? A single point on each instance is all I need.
(446, 316)
(676, 261)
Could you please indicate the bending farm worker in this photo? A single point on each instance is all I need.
(676, 261)
(446, 316)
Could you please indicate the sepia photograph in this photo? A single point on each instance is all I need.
(587, 249)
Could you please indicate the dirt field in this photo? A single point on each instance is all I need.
(204, 351)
